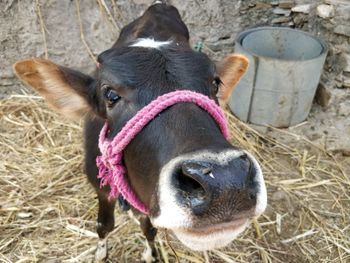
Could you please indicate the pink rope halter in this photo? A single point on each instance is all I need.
(111, 168)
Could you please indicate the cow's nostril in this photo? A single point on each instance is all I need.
(190, 182)
(252, 193)
(187, 184)
(195, 169)
(250, 181)
(203, 185)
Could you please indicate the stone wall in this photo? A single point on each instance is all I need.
(328, 124)
(216, 23)
(31, 28)
(327, 19)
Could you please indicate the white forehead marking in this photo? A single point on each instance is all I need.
(150, 43)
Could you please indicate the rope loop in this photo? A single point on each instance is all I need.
(111, 169)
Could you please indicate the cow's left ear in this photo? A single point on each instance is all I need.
(230, 70)
(70, 92)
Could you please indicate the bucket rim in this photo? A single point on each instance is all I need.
(241, 35)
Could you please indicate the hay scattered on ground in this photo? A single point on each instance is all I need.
(48, 210)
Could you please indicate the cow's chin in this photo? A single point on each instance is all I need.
(208, 238)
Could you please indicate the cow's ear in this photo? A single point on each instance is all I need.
(230, 70)
(68, 91)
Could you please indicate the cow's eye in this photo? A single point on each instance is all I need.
(110, 95)
(216, 83)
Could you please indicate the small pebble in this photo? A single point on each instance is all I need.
(342, 30)
(325, 11)
(302, 9)
(286, 3)
(280, 11)
(24, 215)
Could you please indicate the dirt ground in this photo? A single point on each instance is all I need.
(48, 210)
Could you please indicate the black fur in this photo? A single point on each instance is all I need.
(139, 75)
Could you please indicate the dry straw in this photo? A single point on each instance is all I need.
(48, 209)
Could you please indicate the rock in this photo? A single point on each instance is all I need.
(337, 2)
(282, 197)
(346, 152)
(24, 215)
(262, 6)
(344, 13)
(6, 74)
(280, 20)
(244, 8)
(281, 11)
(274, 3)
(219, 44)
(301, 9)
(344, 108)
(279, 195)
(346, 82)
(325, 11)
(347, 67)
(342, 48)
(141, 2)
(286, 3)
(314, 136)
(341, 146)
(338, 84)
(323, 95)
(6, 82)
(342, 30)
(300, 19)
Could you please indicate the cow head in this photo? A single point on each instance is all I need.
(193, 180)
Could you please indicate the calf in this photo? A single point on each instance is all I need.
(183, 173)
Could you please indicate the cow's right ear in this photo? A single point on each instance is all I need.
(231, 69)
(68, 91)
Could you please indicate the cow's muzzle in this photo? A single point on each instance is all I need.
(204, 186)
(210, 196)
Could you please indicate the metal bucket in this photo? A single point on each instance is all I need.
(283, 74)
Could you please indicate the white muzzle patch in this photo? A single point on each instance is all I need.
(177, 218)
(216, 239)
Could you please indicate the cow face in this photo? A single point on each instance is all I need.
(194, 182)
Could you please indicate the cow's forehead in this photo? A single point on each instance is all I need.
(149, 62)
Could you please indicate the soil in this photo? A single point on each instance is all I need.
(36, 28)
(216, 23)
